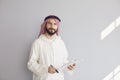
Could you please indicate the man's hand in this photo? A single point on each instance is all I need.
(52, 70)
(71, 67)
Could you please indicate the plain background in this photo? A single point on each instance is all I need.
(81, 27)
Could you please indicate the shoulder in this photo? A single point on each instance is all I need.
(36, 42)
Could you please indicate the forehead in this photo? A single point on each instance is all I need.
(51, 20)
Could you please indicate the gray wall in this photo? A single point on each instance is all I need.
(81, 27)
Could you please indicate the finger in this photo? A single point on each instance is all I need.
(70, 68)
(74, 64)
(54, 71)
(51, 70)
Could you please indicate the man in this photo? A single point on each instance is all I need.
(48, 52)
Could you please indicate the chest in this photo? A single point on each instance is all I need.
(53, 53)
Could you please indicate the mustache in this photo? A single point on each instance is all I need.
(51, 29)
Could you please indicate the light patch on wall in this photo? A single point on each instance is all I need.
(110, 28)
(114, 75)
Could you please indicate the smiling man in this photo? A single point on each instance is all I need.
(48, 52)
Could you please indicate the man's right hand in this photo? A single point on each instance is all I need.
(51, 70)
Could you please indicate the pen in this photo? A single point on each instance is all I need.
(55, 69)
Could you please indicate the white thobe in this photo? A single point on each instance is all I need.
(45, 52)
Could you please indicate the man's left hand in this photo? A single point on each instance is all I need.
(71, 67)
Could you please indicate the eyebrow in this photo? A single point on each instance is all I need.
(51, 22)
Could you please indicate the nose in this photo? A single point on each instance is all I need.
(52, 25)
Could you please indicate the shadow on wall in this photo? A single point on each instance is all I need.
(110, 28)
(114, 75)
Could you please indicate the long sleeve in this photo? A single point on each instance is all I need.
(33, 65)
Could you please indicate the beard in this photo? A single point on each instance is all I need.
(50, 31)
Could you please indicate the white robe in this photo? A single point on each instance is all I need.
(45, 52)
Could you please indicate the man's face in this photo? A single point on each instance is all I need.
(51, 27)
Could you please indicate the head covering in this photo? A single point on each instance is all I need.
(52, 16)
(43, 25)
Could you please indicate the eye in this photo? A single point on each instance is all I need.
(48, 23)
(55, 24)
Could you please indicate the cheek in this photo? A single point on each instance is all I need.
(48, 26)
(56, 27)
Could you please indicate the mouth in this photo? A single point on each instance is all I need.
(52, 30)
